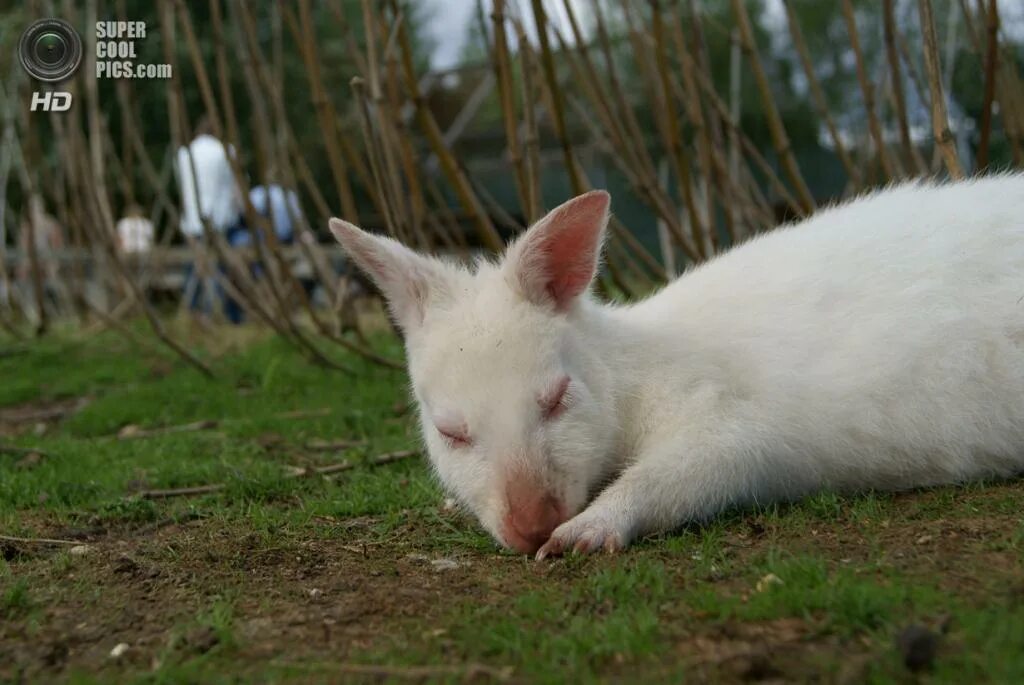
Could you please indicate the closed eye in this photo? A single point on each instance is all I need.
(455, 437)
(554, 402)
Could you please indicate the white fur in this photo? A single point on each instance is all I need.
(877, 345)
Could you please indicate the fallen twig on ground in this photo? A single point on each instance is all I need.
(50, 413)
(21, 451)
(131, 431)
(303, 413)
(295, 472)
(332, 445)
(181, 492)
(39, 541)
(379, 460)
(169, 521)
(467, 672)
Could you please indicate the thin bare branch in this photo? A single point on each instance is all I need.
(818, 95)
(783, 148)
(940, 120)
(991, 59)
(867, 91)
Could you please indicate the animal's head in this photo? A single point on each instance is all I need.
(513, 402)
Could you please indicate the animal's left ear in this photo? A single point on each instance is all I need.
(410, 281)
(555, 261)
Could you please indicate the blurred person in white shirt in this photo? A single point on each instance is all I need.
(219, 198)
(204, 166)
(134, 231)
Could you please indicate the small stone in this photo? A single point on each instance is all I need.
(125, 564)
(269, 440)
(118, 651)
(449, 505)
(79, 550)
(918, 647)
(944, 623)
(315, 593)
(56, 654)
(30, 460)
(767, 582)
(444, 564)
(129, 431)
(924, 539)
(202, 640)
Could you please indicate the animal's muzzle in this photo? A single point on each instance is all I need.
(533, 513)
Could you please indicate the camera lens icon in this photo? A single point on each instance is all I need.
(50, 50)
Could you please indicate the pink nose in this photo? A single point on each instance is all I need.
(529, 522)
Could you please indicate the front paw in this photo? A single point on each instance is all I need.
(587, 532)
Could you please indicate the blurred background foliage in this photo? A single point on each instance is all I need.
(340, 35)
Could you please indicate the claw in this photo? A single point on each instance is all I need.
(587, 543)
(582, 535)
(549, 548)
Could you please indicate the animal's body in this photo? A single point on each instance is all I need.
(877, 345)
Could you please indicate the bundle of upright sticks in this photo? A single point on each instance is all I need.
(702, 176)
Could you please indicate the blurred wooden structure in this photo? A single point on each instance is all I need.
(682, 152)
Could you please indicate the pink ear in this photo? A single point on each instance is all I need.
(555, 261)
(407, 279)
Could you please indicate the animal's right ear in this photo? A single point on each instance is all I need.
(408, 280)
(556, 260)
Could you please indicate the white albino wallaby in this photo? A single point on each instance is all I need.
(877, 345)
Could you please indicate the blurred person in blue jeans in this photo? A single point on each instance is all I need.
(281, 209)
(209, 192)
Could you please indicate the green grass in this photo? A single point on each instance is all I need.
(88, 470)
(283, 579)
(15, 599)
(611, 613)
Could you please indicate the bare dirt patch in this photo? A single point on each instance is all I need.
(781, 650)
(290, 598)
(38, 415)
(338, 593)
